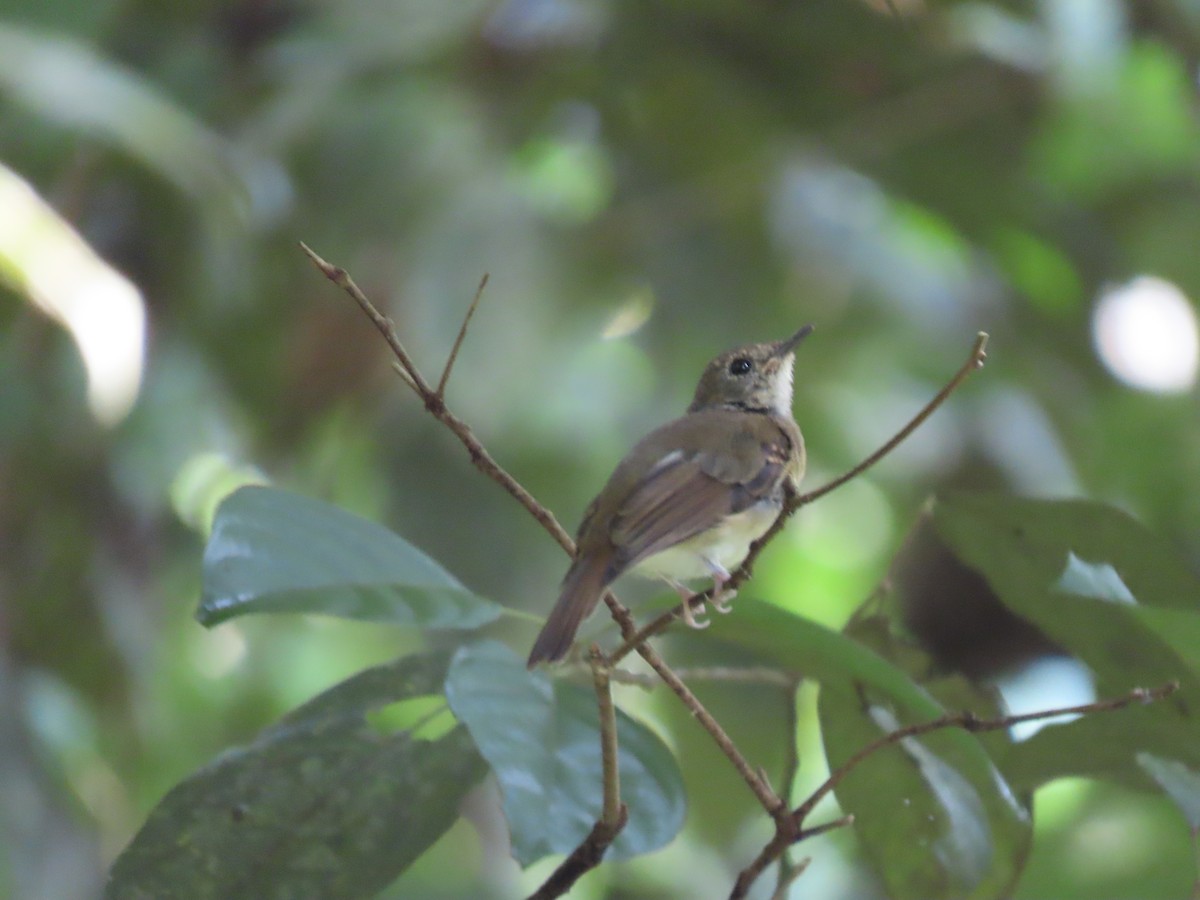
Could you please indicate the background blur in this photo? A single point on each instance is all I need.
(647, 183)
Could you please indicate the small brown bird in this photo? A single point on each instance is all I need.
(691, 496)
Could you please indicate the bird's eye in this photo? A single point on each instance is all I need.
(740, 366)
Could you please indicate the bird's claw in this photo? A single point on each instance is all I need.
(720, 595)
(721, 600)
(689, 617)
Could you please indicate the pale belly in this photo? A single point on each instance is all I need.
(726, 545)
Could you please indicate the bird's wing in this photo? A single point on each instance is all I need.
(692, 489)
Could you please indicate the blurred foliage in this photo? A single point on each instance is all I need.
(677, 176)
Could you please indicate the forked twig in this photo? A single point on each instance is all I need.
(436, 406)
(968, 721)
(582, 860)
(786, 836)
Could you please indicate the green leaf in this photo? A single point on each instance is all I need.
(541, 736)
(1181, 783)
(1090, 577)
(320, 805)
(1112, 594)
(933, 813)
(272, 551)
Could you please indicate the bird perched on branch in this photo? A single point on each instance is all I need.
(689, 499)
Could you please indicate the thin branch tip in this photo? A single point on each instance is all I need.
(330, 271)
(979, 351)
(440, 391)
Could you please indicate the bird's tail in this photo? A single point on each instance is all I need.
(581, 589)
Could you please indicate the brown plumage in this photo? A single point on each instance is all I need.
(691, 496)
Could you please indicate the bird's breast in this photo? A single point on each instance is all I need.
(725, 544)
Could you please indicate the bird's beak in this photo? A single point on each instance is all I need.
(784, 347)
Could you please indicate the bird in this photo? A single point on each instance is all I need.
(692, 496)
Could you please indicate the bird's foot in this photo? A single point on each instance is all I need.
(721, 596)
(689, 616)
(720, 600)
(685, 612)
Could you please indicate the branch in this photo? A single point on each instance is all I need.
(789, 872)
(582, 860)
(974, 362)
(774, 806)
(968, 721)
(615, 814)
(777, 846)
(608, 739)
(437, 407)
(793, 501)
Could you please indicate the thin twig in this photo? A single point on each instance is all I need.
(789, 871)
(774, 806)
(608, 737)
(788, 877)
(437, 407)
(775, 848)
(614, 813)
(785, 837)
(974, 362)
(968, 721)
(462, 333)
(405, 377)
(342, 279)
(793, 502)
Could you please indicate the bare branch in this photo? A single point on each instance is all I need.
(974, 362)
(789, 871)
(968, 721)
(788, 876)
(462, 333)
(608, 737)
(405, 377)
(437, 408)
(383, 324)
(615, 814)
(795, 832)
(774, 806)
(584, 858)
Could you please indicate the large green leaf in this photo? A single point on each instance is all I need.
(1088, 575)
(933, 812)
(1104, 588)
(541, 737)
(273, 551)
(321, 805)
